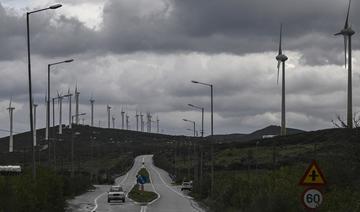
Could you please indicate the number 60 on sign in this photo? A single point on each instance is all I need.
(312, 198)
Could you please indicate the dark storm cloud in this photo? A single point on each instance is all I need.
(208, 26)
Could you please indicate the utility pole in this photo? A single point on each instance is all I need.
(34, 106)
(60, 113)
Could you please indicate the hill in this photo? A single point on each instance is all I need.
(258, 134)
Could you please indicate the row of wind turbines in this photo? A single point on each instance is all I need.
(346, 32)
(125, 117)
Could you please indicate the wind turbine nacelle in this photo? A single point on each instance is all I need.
(281, 57)
(348, 31)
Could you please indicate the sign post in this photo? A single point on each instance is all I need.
(313, 180)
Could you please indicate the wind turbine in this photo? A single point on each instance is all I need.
(108, 112)
(281, 58)
(92, 110)
(157, 124)
(149, 122)
(142, 121)
(11, 139)
(127, 121)
(122, 118)
(69, 95)
(137, 121)
(347, 32)
(113, 122)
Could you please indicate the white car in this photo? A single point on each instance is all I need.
(116, 193)
(186, 185)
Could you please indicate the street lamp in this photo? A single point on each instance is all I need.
(212, 131)
(48, 102)
(193, 124)
(72, 143)
(202, 117)
(29, 74)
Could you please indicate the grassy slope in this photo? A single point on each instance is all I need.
(252, 177)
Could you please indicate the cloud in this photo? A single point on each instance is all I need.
(169, 26)
(142, 56)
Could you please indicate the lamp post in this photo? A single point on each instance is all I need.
(212, 131)
(193, 124)
(72, 143)
(30, 86)
(48, 102)
(202, 117)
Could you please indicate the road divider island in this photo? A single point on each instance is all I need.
(139, 193)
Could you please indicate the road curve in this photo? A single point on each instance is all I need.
(171, 199)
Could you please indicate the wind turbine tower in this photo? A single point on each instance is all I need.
(347, 32)
(122, 118)
(108, 112)
(77, 94)
(69, 95)
(113, 122)
(11, 139)
(34, 105)
(149, 122)
(157, 124)
(142, 121)
(137, 121)
(127, 121)
(281, 58)
(92, 111)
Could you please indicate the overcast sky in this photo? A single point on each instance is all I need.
(141, 55)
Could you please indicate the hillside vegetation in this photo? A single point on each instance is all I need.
(263, 174)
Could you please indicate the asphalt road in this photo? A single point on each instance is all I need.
(170, 199)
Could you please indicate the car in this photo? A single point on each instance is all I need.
(186, 185)
(116, 193)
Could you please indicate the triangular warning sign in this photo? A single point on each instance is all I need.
(313, 176)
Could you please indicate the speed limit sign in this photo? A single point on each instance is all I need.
(312, 198)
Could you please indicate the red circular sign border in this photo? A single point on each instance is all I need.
(302, 196)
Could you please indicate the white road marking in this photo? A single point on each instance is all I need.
(143, 208)
(158, 194)
(96, 199)
(180, 194)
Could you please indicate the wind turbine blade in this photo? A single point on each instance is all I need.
(280, 48)
(339, 33)
(347, 16)
(10, 102)
(345, 47)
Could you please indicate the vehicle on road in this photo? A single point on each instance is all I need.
(186, 185)
(116, 193)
